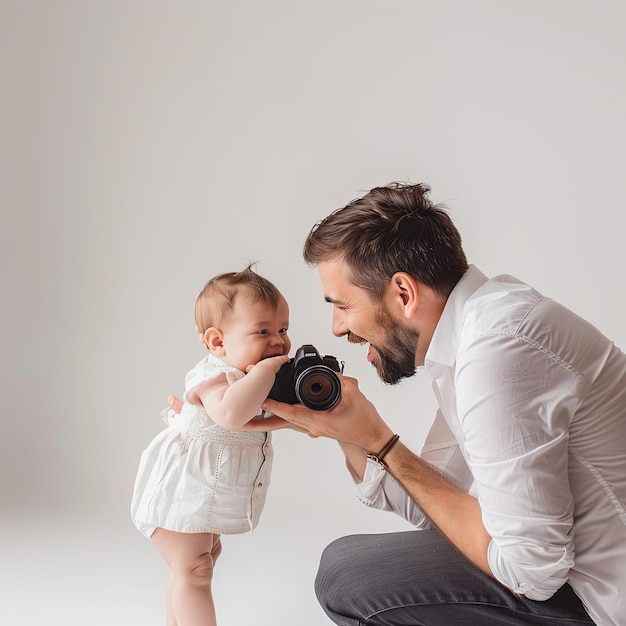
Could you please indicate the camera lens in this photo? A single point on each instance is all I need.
(318, 388)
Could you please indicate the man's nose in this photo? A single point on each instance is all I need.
(339, 326)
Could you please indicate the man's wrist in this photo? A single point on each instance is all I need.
(379, 456)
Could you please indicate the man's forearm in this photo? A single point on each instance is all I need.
(356, 459)
(453, 511)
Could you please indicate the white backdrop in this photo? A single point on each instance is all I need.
(146, 146)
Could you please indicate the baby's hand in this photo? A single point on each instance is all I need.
(176, 404)
(274, 363)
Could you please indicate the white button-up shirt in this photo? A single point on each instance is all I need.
(532, 421)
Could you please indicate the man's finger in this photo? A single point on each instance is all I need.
(294, 413)
(268, 423)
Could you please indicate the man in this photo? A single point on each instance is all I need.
(519, 496)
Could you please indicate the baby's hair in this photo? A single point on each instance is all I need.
(217, 298)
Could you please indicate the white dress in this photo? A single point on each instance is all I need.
(198, 477)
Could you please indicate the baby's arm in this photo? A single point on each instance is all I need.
(232, 406)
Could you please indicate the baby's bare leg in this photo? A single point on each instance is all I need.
(191, 557)
(170, 620)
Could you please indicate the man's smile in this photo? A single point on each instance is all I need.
(352, 338)
(371, 350)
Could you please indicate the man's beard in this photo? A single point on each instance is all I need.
(396, 360)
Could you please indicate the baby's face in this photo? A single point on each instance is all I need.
(255, 331)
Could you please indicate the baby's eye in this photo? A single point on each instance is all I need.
(282, 331)
(262, 332)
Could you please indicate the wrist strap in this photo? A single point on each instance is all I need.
(381, 455)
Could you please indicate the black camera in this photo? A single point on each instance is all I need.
(309, 379)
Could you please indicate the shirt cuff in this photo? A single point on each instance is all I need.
(370, 488)
(548, 573)
(380, 490)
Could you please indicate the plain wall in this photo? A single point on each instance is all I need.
(146, 146)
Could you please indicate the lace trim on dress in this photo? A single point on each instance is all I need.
(202, 427)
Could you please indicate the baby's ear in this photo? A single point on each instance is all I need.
(214, 340)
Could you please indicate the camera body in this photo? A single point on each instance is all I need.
(308, 379)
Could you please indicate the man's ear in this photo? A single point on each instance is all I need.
(404, 292)
(214, 340)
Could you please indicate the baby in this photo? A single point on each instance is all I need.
(202, 476)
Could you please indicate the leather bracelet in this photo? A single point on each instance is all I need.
(381, 455)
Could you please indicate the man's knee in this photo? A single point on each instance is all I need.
(335, 573)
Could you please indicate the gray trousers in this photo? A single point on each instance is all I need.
(417, 578)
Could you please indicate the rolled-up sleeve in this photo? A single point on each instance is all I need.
(515, 402)
(380, 490)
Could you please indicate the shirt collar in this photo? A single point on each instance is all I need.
(444, 343)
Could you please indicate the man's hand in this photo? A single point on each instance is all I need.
(274, 422)
(354, 420)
